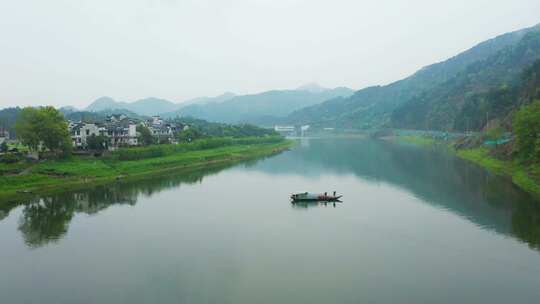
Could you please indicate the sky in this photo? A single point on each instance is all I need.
(69, 52)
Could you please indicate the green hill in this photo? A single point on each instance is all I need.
(484, 90)
(422, 100)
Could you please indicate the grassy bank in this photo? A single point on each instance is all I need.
(87, 171)
(417, 140)
(526, 177)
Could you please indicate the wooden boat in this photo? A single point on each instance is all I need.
(323, 197)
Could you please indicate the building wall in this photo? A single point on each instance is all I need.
(132, 130)
(80, 137)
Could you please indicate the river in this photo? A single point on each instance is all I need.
(416, 225)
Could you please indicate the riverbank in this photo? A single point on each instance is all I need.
(417, 140)
(526, 177)
(80, 172)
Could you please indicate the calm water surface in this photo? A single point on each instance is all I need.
(416, 226)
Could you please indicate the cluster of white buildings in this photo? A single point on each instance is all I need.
(291, 130)
(164, 131)
(121, 130)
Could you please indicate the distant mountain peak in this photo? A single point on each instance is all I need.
(312, 87)
(227, 95)
(147, 106)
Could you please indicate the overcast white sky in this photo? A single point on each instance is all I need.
(71, 52)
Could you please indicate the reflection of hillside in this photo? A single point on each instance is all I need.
(47, 219)
(437, 177)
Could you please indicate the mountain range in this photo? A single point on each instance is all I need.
(147, 106)
(435, 96)
(228, 107)
(486, 82)
(263, 107)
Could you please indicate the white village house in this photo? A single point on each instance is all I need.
(122, 131)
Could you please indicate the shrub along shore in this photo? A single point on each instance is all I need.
(78, 172)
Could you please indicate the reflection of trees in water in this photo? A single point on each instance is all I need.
(437, 177)
(526, 223)
(3, 214)
(47, 219)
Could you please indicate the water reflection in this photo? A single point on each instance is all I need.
(435, 176)
(306, 205)
(47, 219)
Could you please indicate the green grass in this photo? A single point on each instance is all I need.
(481, 157)
(86, 171)
(525, 177)
(18, 146)
(417, 140)
(13, 168)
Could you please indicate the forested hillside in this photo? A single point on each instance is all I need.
(433, 97)
(485, 90)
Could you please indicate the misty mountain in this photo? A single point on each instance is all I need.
(151, 106)
(466, 100)
(262, 107)
(204, 100)
(375, 106)
(97, 116)
(147, 106)
(312, 87)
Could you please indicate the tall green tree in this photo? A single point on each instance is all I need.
(54, 129)
(189, 135)
(526, 124)
(44, 126)
(4, 147)
(27, 127)
(145, 137)
(98, 143)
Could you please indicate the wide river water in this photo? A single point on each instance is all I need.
(417, 225)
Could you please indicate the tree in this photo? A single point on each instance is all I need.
(98, 143)
(526, 124)
(54, 129)
(4, 147)
(44, 126)
(46, 220)
(145, 136)
(27, 127)
(188, 135)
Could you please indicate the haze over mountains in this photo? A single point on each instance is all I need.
(450, 95)
(151, 105)
(228, 107)
(263, 108)
(487, 82)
